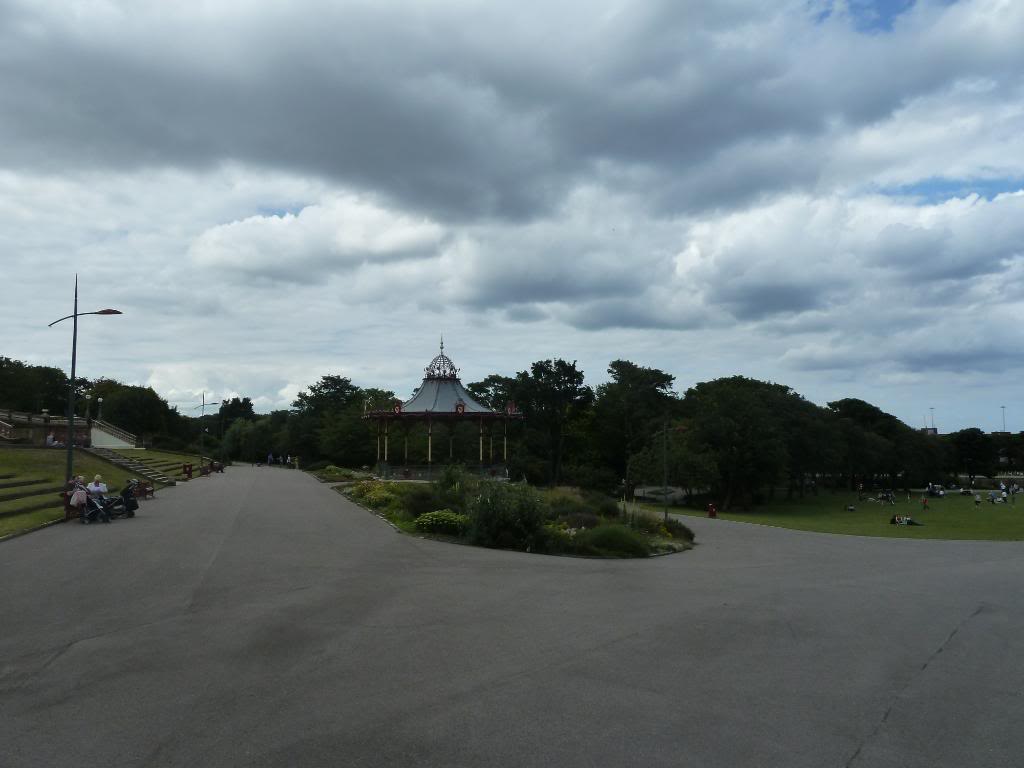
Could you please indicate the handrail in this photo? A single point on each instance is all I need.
(6, 430)
(110, 429)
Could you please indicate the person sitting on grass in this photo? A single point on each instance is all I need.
(903, 520)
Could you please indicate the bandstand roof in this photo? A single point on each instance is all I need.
(441, 394)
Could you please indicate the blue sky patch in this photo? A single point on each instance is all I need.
(936, 190)
(271, 210)
(869, 16)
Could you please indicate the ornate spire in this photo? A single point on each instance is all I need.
(441, 367)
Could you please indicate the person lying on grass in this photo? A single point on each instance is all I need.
(903, 520)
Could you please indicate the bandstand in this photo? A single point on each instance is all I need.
(440, 404)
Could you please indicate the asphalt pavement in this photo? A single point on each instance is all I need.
(257, 618)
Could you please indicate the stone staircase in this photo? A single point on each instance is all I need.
(133, 466)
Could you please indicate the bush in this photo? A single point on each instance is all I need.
(506, 516)
(555, 537)
(605, 506)
(580, 520)
(373, 493)
(317, 465)
(443, 521)
(612, 540)
(420, 499)
(679, 530)
(564, 503)
(454, 487)
(647, 524)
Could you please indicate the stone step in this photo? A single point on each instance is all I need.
(30, 492)
(19, 483)
(33, 508)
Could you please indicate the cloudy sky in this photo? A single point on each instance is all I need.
(823, 193)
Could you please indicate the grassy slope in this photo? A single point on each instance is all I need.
(48, 464)
(953, 517)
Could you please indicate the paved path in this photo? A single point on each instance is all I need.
(257, 619)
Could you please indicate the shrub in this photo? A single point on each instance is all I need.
(505, 516)
(454, 487)
(419, 499)
(379, 496)
(555, 537)
(372, 493)
(679, 530)
(605, 506)
(317, 465)
(442, 521)
(564, 503)
(580, 520)
(612, 540)
(360, 490)
(647, 524)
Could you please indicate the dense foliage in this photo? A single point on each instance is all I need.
(733, 440)
(518, 516)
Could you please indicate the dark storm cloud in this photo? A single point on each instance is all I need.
(456, 111)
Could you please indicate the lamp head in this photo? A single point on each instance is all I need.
(109, 312)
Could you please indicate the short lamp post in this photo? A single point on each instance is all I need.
(99, 412)
(71, 386)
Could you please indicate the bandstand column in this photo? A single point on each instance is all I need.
(386, 423)
(430, 442)
(481, 440)
(378, 441)
(504, 441)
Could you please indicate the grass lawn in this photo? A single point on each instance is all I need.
(48, 464)
(952, 517)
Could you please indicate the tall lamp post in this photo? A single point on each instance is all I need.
(664, 463)
(71, 386)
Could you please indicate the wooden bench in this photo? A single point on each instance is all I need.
(144, 491)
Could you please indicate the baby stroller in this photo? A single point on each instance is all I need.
(94, 510)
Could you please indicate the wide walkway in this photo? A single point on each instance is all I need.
(258, 619)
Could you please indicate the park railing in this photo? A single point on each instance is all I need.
(10, 419)
(120, 434)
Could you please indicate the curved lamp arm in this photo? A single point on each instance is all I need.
(79, 314)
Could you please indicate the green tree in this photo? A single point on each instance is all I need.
(32, 388)
(552, 396)
(735, 425)
(331, 392)
(628, 409)
(975, 452)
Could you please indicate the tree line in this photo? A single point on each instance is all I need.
(736, 439)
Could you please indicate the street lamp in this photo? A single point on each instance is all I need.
(664, 464)
(1003, 408)
(99, 414)
(71, 385)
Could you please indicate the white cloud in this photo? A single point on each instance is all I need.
(272, 193)
(328, 237)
